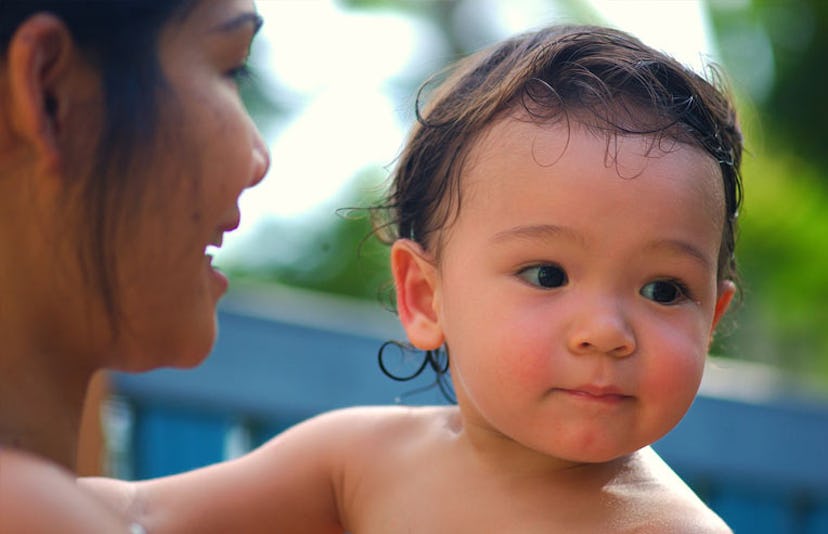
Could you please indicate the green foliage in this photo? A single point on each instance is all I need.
(784, 260)
(782, 247)
(339, 256)
(798, 33)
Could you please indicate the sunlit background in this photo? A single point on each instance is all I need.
(334, 89)
(345, 87)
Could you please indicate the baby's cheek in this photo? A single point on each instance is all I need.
(525, 363)
(673, 375)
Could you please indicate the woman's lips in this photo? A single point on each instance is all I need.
(217, 278)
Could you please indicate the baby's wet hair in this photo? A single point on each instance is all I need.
(601, 78)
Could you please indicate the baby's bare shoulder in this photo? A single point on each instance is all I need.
(346, 435)
(679, 516)
(389, 424)
(671, 514)
(661, 502)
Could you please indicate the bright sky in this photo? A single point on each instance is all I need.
(339, 67)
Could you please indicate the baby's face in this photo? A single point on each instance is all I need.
(577, 288)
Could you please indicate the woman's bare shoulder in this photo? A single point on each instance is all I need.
(38, 496)
(662, 502)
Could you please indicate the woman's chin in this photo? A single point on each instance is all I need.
(182, 349)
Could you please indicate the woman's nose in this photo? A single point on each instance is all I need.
(602, 328)
(261, 160)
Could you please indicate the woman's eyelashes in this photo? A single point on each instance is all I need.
(546, 276)
(668, 292)
(240, 73)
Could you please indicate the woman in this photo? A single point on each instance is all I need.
(124, 146)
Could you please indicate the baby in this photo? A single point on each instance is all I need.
(562, 222)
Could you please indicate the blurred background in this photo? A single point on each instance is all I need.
(333, 91)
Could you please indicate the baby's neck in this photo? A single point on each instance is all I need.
(499, 454)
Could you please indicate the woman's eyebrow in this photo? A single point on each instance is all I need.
(248, 18)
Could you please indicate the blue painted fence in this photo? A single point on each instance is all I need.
(754, 445)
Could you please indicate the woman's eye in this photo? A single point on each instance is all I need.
(665, 291)
(239, 74)
(545, 276)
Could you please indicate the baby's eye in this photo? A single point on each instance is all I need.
(665, 291)
(545, 276)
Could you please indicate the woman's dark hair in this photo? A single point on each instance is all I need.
(602, 78)
(119, 37)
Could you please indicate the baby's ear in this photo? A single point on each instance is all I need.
(727, 290)
(415, 280)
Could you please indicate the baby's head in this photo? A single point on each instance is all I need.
(565, 213)
(598, 77)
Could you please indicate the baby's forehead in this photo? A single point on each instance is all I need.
(574, 145)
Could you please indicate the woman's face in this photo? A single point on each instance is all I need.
(208, 151)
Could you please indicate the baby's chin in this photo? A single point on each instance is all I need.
(601, 453)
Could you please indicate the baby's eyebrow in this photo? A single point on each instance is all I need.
(680, 247)
(537, 231)
(547, 231)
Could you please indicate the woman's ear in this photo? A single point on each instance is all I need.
(38, 60)
(416, 283)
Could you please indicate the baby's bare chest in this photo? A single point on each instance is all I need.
(452, 503)
(429, 481)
